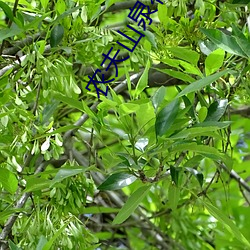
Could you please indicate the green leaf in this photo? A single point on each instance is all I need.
(219, 125)
(198, 85)
(98, 210)
(214, 61)
(143, 81)
(49, 244)
(177, 74)
(186, 54)
(49, 110)
(158, 97)
(117, 181)
(202, 114)
(173, 196)
(9, 32)
(241, 40)
(151, 37)
(216, 110)
(128, 108)
(66, 172)
(166, 117)
(33, 183)
(162, 13)
(238, 33)
(68, 12)
(193, 132)
(132, 203)
(7, 10)
(44, 3)
(223, 41)
(227, 223)
(108, 3)
(19, 20)
(56, 35)
(181, 145)
(198, 175)
(70, 101)
(194, 161)
(9, 211)
(8, 180)
(174, 172)
(13, 246)
(189, 68)
(207, 46)
(204, 150)
(41, 243)
(36, 21)
(244, 45)
(188, 105)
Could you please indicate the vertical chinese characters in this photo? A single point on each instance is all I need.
(136, 14)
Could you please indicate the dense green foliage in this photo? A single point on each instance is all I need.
(161, 162)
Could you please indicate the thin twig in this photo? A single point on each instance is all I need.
(244, 195)
(37, 97)
(236, 177)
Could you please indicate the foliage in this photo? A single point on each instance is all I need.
(161, 162)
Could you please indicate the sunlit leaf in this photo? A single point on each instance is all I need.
(186, 54)
(158, 97)
(129, 108)
(8, 180)
(117, 181)
(44, 3)
(202, 114)
(214, 61)
(216, 110)
(141, 144)
(223, 41)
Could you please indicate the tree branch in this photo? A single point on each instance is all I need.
(16, 63)
(21, 44)
(236, 177)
